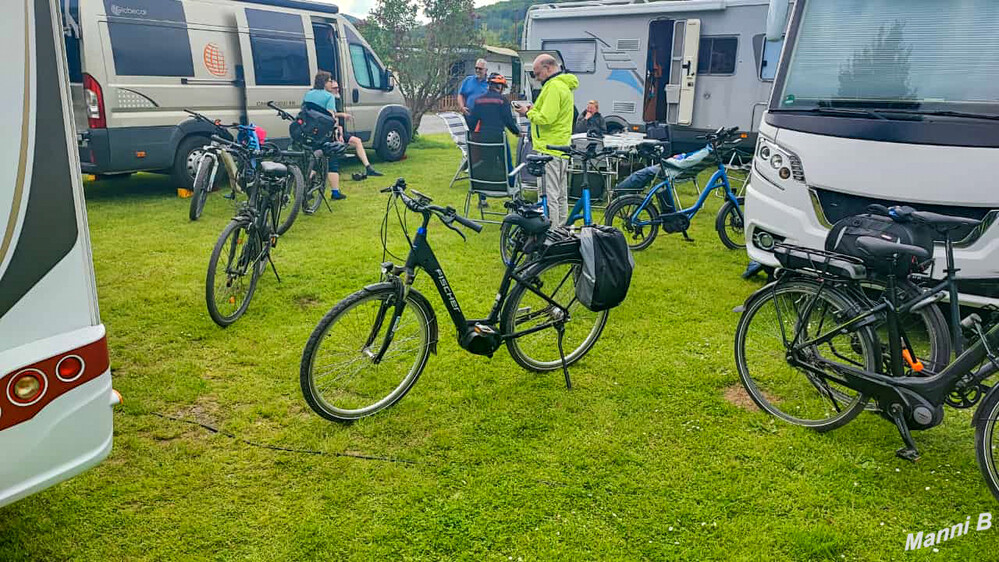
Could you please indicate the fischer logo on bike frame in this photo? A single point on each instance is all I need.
(446, 289)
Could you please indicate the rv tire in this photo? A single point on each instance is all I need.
(184, 164)
(392, 141)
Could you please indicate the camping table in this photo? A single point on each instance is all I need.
(608, 168)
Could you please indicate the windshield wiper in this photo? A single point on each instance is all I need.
(943, 113)
(838, 111)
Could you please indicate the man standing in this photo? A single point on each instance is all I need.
(325, 94)
(551, 123)
(472, 87)
(490, 118)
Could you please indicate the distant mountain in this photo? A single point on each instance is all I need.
(503, 22)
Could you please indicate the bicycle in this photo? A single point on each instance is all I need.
(245, 244)
(239, 163)
(389, 329)
(807, 352)
(582, 210)
(641, 216)
(314, 164)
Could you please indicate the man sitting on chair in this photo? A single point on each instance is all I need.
(490, 115)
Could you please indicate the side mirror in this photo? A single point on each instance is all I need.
(388, 79)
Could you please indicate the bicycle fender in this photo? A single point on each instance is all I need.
(399, 286)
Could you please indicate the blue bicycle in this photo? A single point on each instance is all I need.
(640, 217)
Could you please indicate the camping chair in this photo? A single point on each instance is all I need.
(487, 173)
(457, 127)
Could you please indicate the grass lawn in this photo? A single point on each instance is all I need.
(652, 455)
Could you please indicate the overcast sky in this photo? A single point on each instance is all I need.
(360, 8)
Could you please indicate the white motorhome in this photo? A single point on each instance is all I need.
(55, 379)
(137, 64)
(882, 101)
(697, 64)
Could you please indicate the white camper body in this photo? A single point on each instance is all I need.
(697, 64)
(137, 64)
(55, 379)
(883, 101)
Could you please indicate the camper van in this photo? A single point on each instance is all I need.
(697, 65)
(882, 101)
(55, 380)
(137, 64)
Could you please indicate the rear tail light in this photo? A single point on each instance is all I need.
(69, 368)
(93, 96)
(26, 387)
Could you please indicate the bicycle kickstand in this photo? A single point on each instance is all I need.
(908, 452)
(560, 328)
(273, 267)
(687, 238)
(322, 194)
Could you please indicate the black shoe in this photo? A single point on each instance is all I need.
(373, 172)
(358, 177)
(337, 196)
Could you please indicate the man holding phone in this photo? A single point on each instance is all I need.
(551, 124)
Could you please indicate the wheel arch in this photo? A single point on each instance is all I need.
(388, 113)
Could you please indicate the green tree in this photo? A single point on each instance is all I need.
(422, 55)
(880, 69)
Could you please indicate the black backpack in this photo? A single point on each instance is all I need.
(842, 239)
(607, 265)
(312, 127)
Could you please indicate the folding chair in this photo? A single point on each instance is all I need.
(487, 173)
(457, 127)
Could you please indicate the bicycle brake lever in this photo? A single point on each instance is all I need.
(448, 224)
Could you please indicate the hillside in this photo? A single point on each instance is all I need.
(502, 22)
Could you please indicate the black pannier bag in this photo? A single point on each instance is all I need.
(842, 239)
(312, 128)
(606, 271)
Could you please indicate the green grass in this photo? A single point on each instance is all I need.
(644, 459)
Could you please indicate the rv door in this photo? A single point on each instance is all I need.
(532, 86)
(683, 72)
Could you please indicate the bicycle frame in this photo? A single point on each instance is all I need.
(665, 189)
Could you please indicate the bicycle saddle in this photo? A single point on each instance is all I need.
(530, 225)
(273, 169)
(879, 249)
(936, 221)
(539, 158)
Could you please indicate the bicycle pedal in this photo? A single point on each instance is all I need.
(908, 454)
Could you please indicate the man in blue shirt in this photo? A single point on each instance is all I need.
(325, 94)
(472, 87)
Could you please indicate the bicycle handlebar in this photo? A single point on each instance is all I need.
(584, 154)
(447, 215)
(284, 114)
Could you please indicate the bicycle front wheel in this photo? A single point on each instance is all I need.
(526, 311)
(291, 198)
(729, 224)
(233, 271)
(764, 336)
(202, 185)
(639, 226)
(987, 442)
(315, 183)
(342, 377)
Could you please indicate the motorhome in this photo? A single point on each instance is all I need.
(697, 64)
(882, 101)
(55, 380)
(137, 64)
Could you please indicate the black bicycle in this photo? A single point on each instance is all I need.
(808, 351)
(243, 250)
(314, 163)
(369, 349)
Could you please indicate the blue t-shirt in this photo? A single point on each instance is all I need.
(322, 98)
(472, 88)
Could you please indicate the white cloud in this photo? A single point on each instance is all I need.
(360, 8)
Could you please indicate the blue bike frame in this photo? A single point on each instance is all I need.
(718, 180)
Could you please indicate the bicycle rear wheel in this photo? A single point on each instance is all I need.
(315, 183)
(291, 198)
(338, 375)
(202, 185)
(987, 442)
(525, 310)
(762, 341)
(641, 229)
(233, 271)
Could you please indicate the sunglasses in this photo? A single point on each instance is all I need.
(480, 68)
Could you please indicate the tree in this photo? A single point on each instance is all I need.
(879, 70)
(422, 56)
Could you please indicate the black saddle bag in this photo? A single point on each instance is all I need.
(843, 237)
(312, 128)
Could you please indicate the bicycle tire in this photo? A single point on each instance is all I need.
(381, 294)
(232, 231)
(291, 198)
(315, 183)
(986, 433)
(728, 216)
(622, 209)
(508, 238)
(814, 401)
(523, 306)
(202, 179)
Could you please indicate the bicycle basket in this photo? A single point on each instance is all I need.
(819, 261)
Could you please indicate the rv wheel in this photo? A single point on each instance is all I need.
(393, 142)
(186, 161)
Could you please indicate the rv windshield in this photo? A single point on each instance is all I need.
(919, 56)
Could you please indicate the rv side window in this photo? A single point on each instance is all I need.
(152, 41)
(579, 55)
(280, 56)
(717, 55)
(367, 71)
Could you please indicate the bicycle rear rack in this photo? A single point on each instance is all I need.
(820, 261)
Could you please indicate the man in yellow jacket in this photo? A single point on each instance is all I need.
(551, 123)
